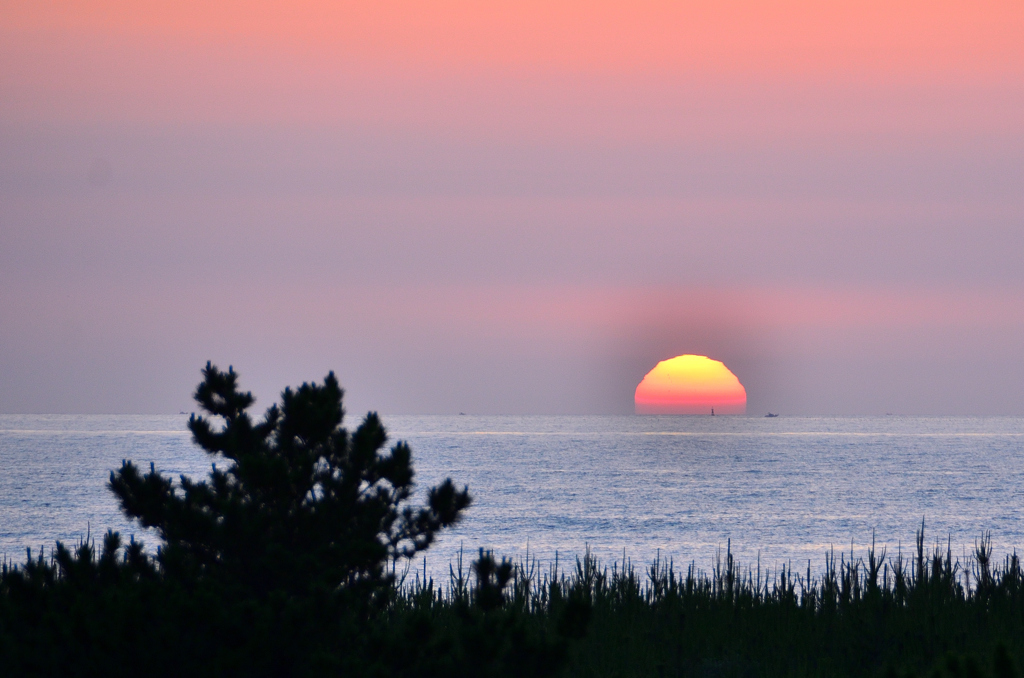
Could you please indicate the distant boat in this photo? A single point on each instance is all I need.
(770, 415)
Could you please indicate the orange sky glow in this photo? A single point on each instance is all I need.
(324, 61)
(914, 37)
(436, 198)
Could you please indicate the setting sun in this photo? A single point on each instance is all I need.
(690, 384)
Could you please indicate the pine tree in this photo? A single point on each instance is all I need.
(293, 503)
(275, 564)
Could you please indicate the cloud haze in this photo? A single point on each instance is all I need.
(513, 209)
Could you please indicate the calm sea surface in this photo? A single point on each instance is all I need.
(783, 489)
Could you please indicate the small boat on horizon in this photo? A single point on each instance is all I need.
(770, 415)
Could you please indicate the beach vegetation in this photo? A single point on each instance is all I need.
(295, 556)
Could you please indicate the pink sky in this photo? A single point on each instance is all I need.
(512, 207)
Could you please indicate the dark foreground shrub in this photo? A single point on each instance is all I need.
(926, 615)
(281, 562)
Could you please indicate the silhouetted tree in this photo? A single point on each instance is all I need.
(299, 504)
(280, 562)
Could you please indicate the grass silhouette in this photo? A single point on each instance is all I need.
(285, 563)
(880, 614)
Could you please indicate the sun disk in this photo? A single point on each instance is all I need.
(690, 384)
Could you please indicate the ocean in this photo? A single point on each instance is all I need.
(774, 490)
